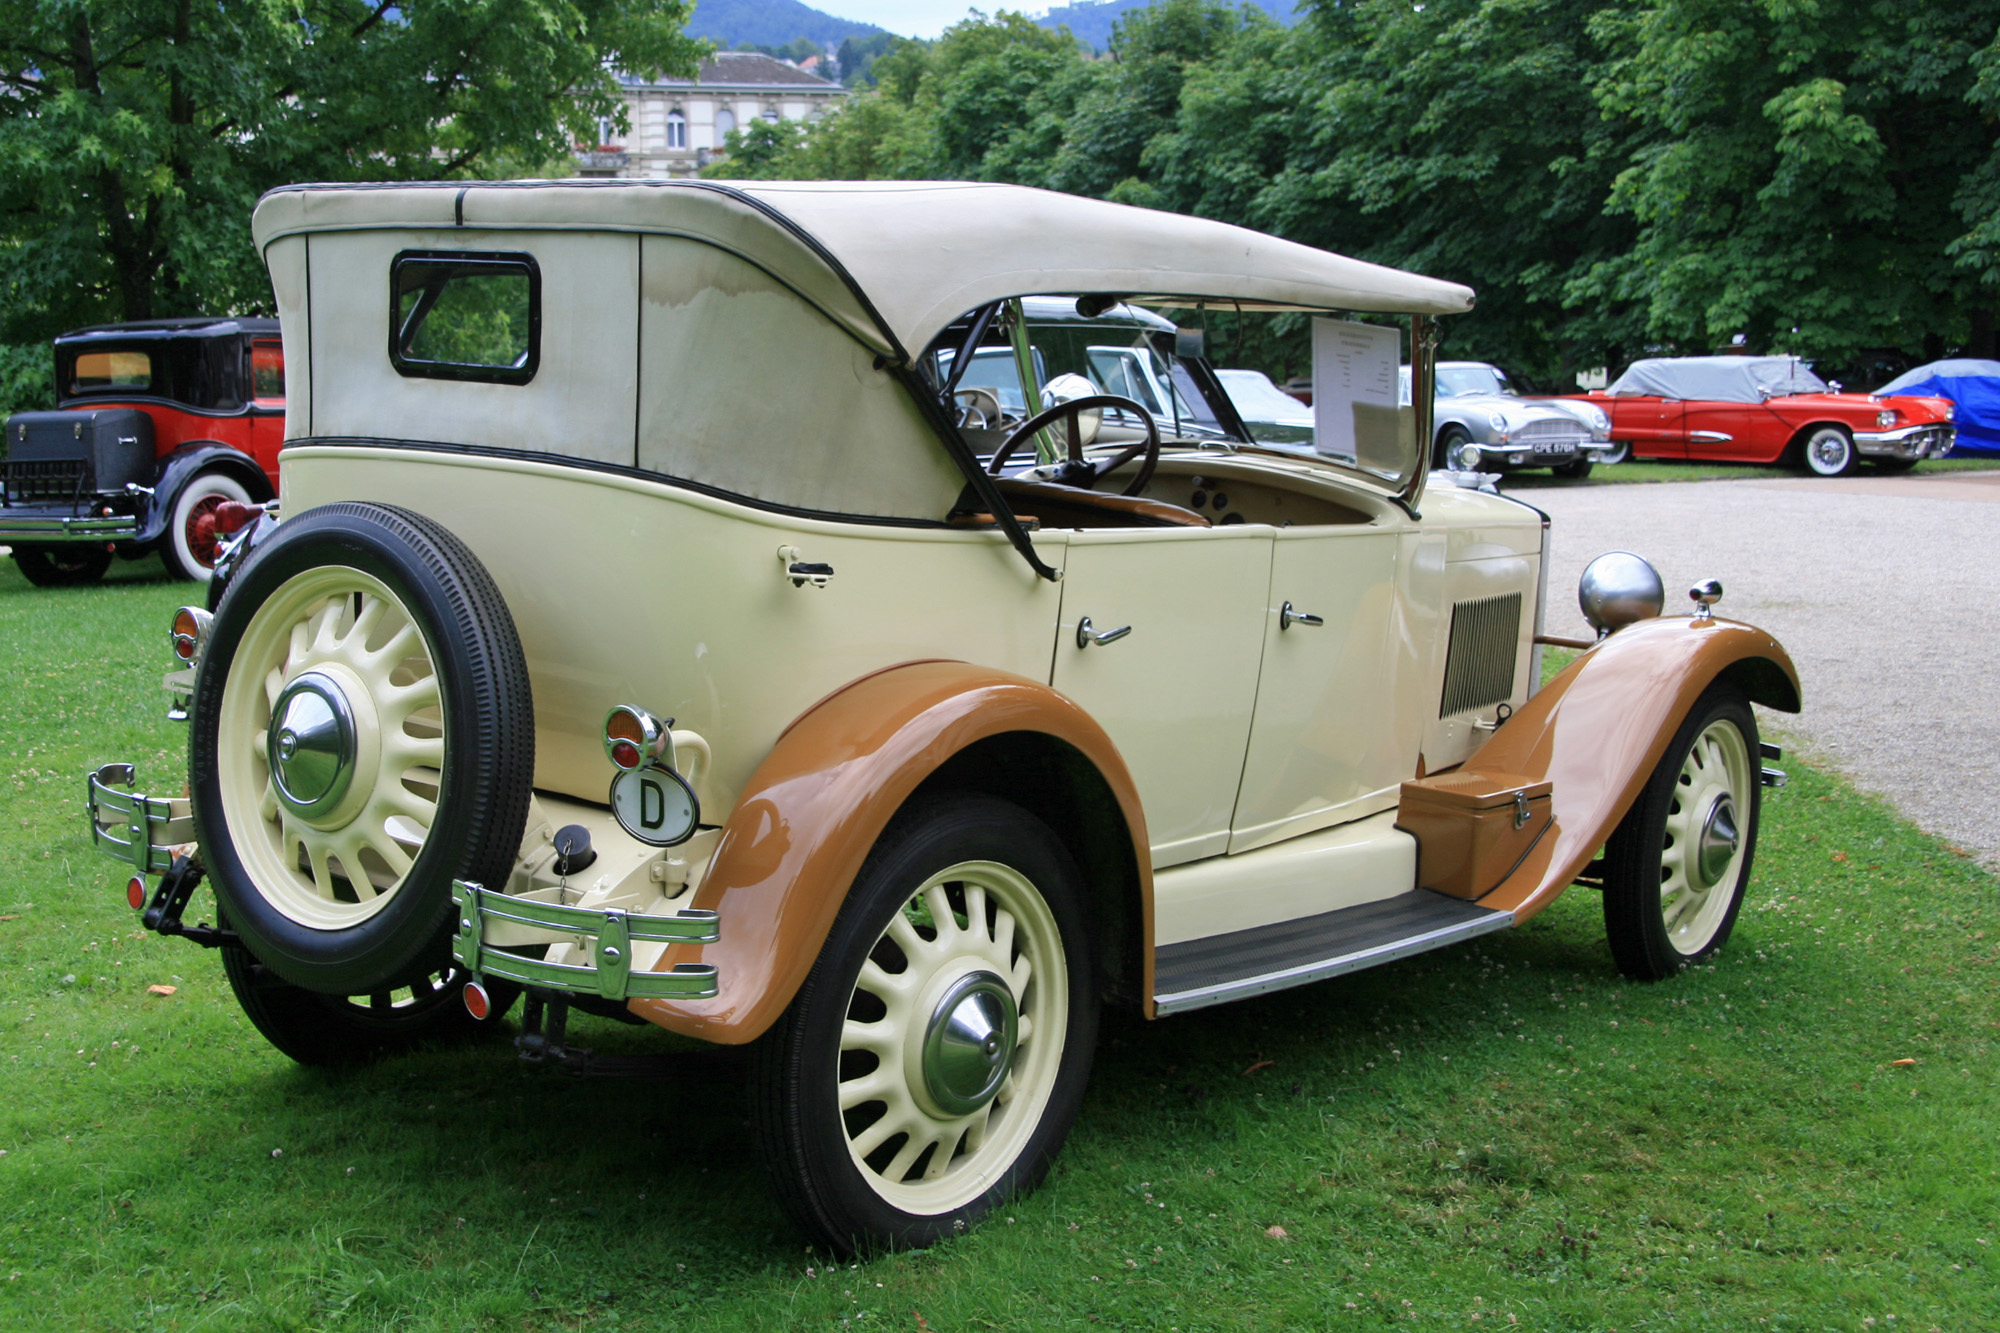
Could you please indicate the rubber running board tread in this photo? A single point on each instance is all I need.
(1196, 973)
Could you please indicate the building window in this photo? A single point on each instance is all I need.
(725, 121)
(771, 116)
(677, 130)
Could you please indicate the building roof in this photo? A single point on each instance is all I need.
(733, 69)
(896, 261)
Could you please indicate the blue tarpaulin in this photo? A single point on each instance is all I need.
(1973, 385)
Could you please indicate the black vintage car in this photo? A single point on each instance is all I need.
(158, 425)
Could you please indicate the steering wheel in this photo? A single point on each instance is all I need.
(1078, 470)
(978, 408)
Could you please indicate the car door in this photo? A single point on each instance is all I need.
(1653, 425)
(1329, 741)
(1735, 432)
(1177, 691)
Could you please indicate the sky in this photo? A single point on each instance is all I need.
(913, 18)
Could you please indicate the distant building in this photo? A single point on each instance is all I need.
(678, 125)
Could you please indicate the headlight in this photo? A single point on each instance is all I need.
(1598, 421)
(1499, 420)
(1951, 411)
(1885, 418)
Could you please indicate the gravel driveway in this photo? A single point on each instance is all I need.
(1878, 586)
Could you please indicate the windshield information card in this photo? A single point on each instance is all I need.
(1354, 393)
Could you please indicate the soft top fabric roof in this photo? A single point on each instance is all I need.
(896, 261)
(1918, 381)
(1726, 379)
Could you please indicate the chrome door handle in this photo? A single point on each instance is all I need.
(1288, 618)
(1085, 635)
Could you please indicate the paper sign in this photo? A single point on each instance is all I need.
(1354, 392)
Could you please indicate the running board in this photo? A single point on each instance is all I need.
(1197, 973)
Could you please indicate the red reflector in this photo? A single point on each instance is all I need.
(232, 516)
(625, 754)
(135, 892)
(184, 647)
(477, 1002)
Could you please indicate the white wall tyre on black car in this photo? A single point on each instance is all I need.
(1677, 865)
(935, 1058)
(190, 544)
(1829, 451)
(362, 735)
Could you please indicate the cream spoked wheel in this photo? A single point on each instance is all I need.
(335, 709)
(1676, 868)
(935, 1057)
(362, 736)
(953, 1036)
(1829, 451)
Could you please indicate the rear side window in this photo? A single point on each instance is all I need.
(267, 370)
(465, 316)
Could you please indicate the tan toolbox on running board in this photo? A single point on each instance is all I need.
(1472, 828)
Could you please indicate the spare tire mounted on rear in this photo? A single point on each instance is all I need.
(363, 734)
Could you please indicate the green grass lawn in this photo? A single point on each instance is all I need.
(1506, 1135)
(1643, 470)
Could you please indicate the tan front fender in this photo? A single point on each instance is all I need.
(816, 806)
(1597, 731)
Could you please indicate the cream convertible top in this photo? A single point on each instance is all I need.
(896, 261)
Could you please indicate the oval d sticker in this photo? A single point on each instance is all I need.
(655, 805)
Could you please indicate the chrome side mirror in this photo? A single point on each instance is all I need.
(1617, 589)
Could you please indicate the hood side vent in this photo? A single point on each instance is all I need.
(1479, 666)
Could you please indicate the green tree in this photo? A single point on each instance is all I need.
(136, 135)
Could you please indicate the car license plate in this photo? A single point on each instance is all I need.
(1554, 447)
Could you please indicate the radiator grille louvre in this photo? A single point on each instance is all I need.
(1479, 666)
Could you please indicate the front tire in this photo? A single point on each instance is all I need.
(62, 564)
(1676, 868)
(892, 1106)
(190, 545)
(1450, 441)
(1828, 451)
(327, 1030)
(363, 735)
(1576, 471)
(1614, 453)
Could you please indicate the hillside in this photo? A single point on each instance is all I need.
(1091, 20)
(729, 23)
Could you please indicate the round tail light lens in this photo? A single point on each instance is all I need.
(633, 737)
(477, 1002)
(626, 755)
(135, 892)
(189, 629)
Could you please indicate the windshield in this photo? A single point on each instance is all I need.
(1463, 379)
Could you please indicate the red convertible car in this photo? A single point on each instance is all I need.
(1766, 409)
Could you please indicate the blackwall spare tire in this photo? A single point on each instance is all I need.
(362, 735)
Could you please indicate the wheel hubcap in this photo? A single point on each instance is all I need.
(311, 745)
(1716, 847)
(969, 1045)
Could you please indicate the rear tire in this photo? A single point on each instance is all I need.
(1676, 868)
(190, 545)
(1893, 466)
(62, 564)
(322, 1030)
(1614, 453)
(874, 1129)
(333, 852)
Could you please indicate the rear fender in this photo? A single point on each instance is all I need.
(1597, 731)
(183, 464)
(816, 806)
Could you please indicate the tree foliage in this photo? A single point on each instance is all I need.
(137, 135)
(1613, 178)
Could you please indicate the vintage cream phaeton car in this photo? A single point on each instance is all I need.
(657, 624)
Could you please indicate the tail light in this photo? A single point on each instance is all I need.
(135, 892)
(190, 629)
(634, 738)
(477, 1002)
(232, 516)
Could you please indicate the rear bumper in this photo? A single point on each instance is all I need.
(607, 937)
(142, 831)
(65, 523)
(1931, 440)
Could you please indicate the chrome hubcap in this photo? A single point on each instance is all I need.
(1716, 847)
(968, 1047)
(312, 745)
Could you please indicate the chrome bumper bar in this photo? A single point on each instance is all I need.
(1930, 440)
(66, 527)
(611, 931)
(142, 830)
